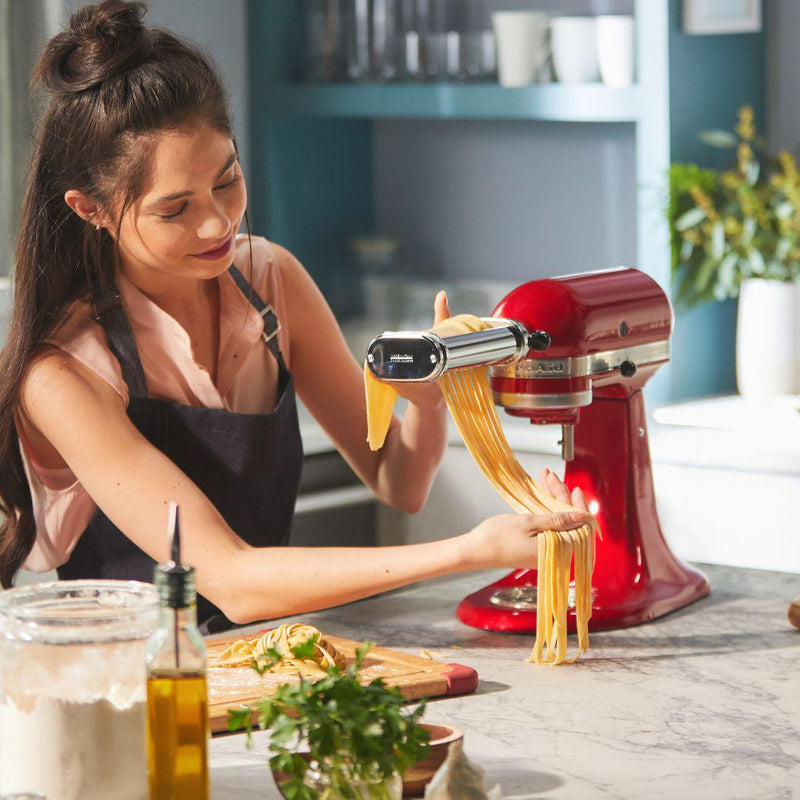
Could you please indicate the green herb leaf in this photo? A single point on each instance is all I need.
(361, 653)
(239, 718)
(356, 733)
(306, 649)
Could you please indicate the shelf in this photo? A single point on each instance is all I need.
(548, 102)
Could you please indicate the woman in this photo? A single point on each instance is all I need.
(143, 367)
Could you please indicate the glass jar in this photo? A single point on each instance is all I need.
(318, 780)
(72, 689)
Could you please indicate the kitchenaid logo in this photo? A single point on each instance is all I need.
(405, 359)
(549, 367)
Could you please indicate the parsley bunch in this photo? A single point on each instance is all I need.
(356, 734)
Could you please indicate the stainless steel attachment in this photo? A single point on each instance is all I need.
(567, 442)
(424, 356)
(524, 597)
(590, 365)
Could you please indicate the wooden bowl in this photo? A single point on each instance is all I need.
(417, 777)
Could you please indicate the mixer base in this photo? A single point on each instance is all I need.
(509, 604)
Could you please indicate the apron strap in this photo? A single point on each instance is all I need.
(271, 322)
(109, 312)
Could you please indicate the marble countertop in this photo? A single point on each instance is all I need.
(703, 703)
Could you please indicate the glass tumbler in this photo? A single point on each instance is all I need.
(477, 56)
(441, 55)
(72, 689)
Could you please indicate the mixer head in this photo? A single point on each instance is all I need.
(553, 344)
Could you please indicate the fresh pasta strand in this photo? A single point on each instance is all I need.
(381, 398)
(469, 399)
(247, 652)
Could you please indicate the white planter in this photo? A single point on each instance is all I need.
(768, 338)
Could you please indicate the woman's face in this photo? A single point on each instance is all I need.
(192, 203)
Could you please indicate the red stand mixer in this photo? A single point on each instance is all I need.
(574, 351)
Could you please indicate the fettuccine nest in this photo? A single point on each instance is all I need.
(248, 652)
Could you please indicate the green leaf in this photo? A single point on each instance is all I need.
(749, 228)
(239, 718)
(361, 653)
(717, 138)
(717, 240)
(753, 169)
(756, 261)
(264, 662)
(726, 283)
(704, 275)
(687, 246)
(689, 219)
(782, 249)
(306, 649)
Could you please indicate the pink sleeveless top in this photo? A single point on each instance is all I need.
(62, 508)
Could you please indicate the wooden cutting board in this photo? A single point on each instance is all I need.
(414, 676)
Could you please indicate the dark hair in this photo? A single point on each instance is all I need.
(113, 84)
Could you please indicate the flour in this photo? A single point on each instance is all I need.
(72, 750)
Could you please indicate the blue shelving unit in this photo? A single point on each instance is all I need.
(312, 151)
(544, 102)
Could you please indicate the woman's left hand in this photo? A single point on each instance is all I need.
(426, 395)
(558, 489)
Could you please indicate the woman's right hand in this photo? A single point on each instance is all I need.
(509, 540)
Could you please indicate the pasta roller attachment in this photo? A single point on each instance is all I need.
(418, 356)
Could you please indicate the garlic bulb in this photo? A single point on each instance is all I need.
(459, 779)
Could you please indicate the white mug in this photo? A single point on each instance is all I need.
(522, 48)
(615, 50)
(574, 43)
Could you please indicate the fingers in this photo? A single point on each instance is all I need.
(441, 308)
(560, 521)
(578, 500)
(555, 486)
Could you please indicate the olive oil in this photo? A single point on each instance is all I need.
(177, 705)
(177, 735)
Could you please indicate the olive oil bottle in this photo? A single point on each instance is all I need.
(177, 713)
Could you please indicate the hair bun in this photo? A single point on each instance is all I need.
(101, 41)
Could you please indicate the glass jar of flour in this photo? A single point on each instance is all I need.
(72, 689)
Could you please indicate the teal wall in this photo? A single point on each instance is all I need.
(710, 78)
(312, 179)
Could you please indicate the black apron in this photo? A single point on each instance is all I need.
(248, 465)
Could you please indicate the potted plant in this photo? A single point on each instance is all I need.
(736, 233)
(335, 737)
